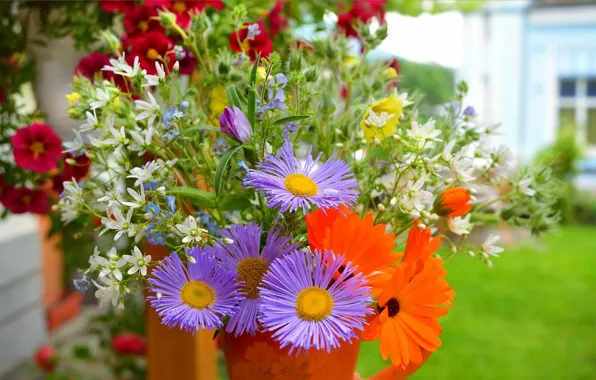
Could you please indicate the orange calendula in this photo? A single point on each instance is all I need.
(453, 202)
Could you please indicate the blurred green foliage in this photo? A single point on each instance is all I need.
(436, 82)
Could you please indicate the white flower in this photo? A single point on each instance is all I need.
(117, 138)
(144, 174)
(112, 266)
(462, 168)
(414, 198)
(91, 122)
(121, 67)
(524, 187)
(377, 120)
(94, 263)
(142, 140)
(191, 230)
(108, 292)
(76, 146)
(103, 97)
(502, 156)
(118, 222)
(154, 80)
(139, 198)
(489, 249)
(459, 225)
(138, 261)
(446, 154)
(72, 193)
(151, 110)
(423, 133)
(404, 99)
(111, 196)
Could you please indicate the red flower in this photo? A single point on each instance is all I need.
(2, 95)
(36, 147)
(151, 47)
(77, 171)
(188, 63)
(181, 9)
(364, 11)
(275, 19)
(22, 200)
(129, 344)
(261, 43)
(4, 189)
(117, 6)
(47, 358)
(140, 20)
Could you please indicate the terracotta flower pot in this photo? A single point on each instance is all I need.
(251, 357)
(64, 310)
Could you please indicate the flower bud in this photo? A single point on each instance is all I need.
(111, 41)
(312, 74)
(166, 18)
(177, 66)
(234, 123)
(192, 260)
(453, 202)
(381, 207)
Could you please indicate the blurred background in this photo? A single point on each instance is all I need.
(531, 69)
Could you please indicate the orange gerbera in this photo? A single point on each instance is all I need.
(453, 202)
(359, 240)
(410, 304)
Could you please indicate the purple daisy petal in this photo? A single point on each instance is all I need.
(329, 185)
(246, 244)
(293, 277)
(171, 278)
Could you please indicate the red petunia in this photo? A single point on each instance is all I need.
(141, 20)
(4, 189)
(36, 147)
(363, 11)
(188, 63)
(22, 200)
(129, 344)
(151, 47)
(261, 43)
(275, 19)
(46, 358)
(181, 9)
(117, 6)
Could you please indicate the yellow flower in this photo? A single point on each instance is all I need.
(73, 97)
(218, 101)
(75, 79)
(390, 73)
(116, 103)
(380, 120)
(350, 60)
(261, 73)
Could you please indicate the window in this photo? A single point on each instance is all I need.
(577, 105)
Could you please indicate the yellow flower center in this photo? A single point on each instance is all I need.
(73, 97)
(152, 54)
(314, 304)
(179, 7)
(300, 185)
(251, 271)
(37, 148)
(197, 295)
(143, 26)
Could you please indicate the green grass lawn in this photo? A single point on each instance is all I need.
(532, 316)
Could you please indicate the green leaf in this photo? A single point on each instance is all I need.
(221, 168)
(234, 202)
(81, 352)
(252, 96)
(288, 119)
(200, 197)
(233, 97)
(201, 128)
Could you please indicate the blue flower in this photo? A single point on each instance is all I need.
(205, 218)
(232, 216)
(170, 135)
(149, 231)
(243, 165)
(152, 185)
(81, 284)
(180, 52)
(253, 30)
(172, 203)
(158, 239)
(220, 146)
(152, 210)
(170, 114)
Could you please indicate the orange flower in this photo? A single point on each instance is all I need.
(410, 305)
(453, 202)
(420, 246)
(361, 242)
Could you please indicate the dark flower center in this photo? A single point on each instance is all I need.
(251, 272)
(392, 307)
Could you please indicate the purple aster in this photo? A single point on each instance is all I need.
(244, 255)
(194, 296)
(306, 307)
(290, 184)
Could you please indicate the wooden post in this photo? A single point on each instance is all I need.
(173, 354)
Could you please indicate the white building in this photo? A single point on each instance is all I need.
(532, 66)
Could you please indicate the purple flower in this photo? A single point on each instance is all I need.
(244, 255)
(308, 303)
(291, 184)
(195, 296)
(234, 123)
(470, 111)
(253, 31)
(277, 84)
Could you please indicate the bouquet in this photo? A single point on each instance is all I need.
(268, 192)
